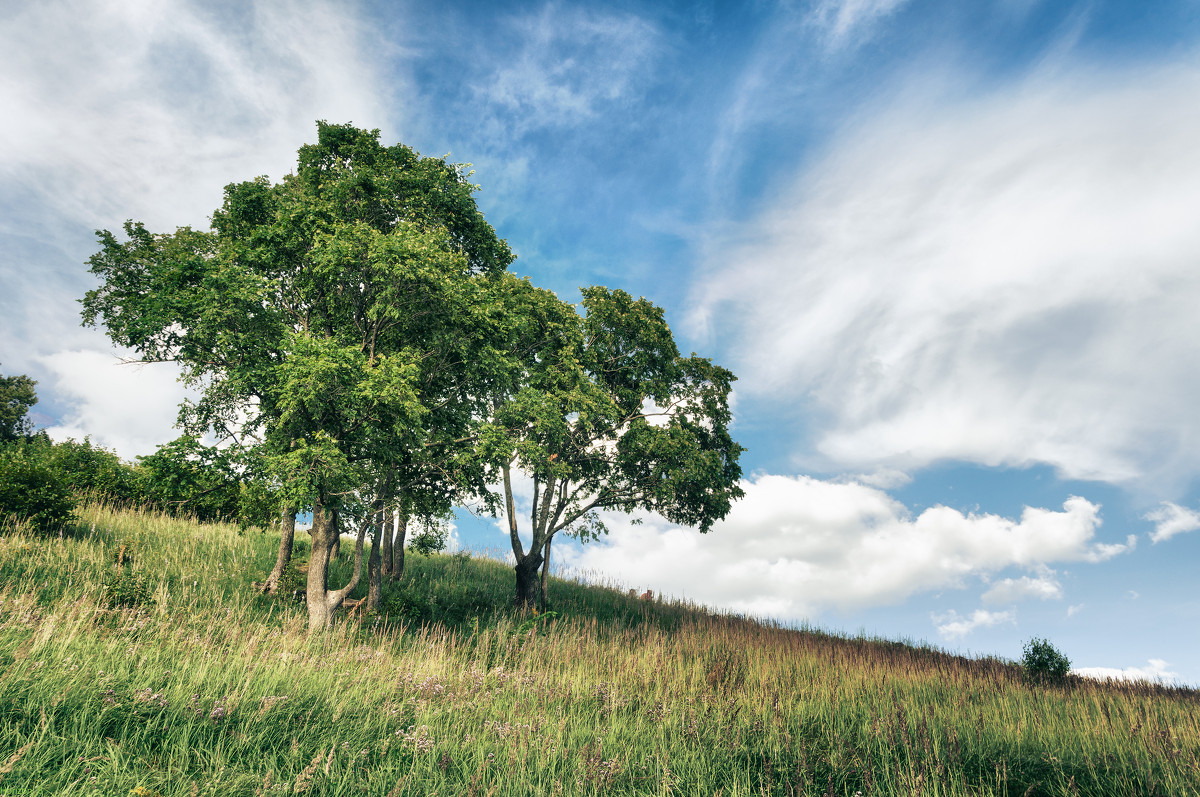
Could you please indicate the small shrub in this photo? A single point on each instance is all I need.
(1044, 663)
(125, 588)
(429, 541)
(33, 494)
(294, 578)
(406, 601)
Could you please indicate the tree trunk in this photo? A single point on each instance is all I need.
(374, 563)
(389, 531)
(336, 550)
(528, 588)
(287, 535)
(322, 601)
(398, 546)
(545, 596)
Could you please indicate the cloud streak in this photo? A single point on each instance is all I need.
(1006, 280)
(146, 110)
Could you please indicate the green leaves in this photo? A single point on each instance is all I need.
(16, 397)
(327, 319)
(603, 413)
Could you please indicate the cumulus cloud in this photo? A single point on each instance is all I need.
(1075, 609)
(1011, 590)
(953, 626)
(795, 546)
(130, 408)
(1156, 671)
(1008, 280)
(1171, 519)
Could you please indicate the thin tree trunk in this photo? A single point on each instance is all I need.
(336, 550)
(389, 531)
(398, 547)
(374, 562)
(287, 535)
(546, 576)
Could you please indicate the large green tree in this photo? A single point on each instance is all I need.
(601, 412)
(326, 320)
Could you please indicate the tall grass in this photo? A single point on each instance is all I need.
(205, 688)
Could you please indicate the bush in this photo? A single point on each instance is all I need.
(33, 494)
(430, 540)
(125, 588)
(1044, 663)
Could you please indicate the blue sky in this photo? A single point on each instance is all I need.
(948, 248)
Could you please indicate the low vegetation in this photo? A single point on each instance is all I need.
(136, 659)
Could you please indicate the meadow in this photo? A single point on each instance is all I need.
(166, 674)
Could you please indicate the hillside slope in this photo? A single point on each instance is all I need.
(200, 687)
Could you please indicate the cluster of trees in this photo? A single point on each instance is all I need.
(40, 480)
(354, 330)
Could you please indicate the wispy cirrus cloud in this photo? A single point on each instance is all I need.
(149, 109)
(843, 21)
(1007, 279)
(146, 110)
(569, 65)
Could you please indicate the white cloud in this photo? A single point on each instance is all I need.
(1075, 609)
(1010, 590)
(1008, 280)
(130, 408)
(1171, 519)
(884, 478)
(1156, 672)
(795, 546)
(952, 626)
(147, 109)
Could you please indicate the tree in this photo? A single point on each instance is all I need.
(601, 412)
(16, 397)
(326, 320)
(1043, 663)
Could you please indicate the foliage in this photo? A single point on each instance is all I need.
(1044, 663)
(16, 397)
(87, 468)
(329, 317)
(218, 694)
(125, 588)
(603, 412)
(32, 494)
(209, 483)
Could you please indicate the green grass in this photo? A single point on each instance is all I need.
(206, 688)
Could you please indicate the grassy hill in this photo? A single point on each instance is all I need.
(201, 687)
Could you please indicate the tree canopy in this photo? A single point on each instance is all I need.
(326, 320)
(602, 412)
(354, 326)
